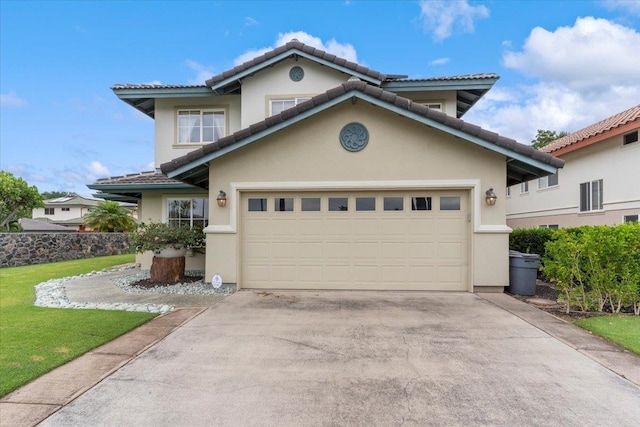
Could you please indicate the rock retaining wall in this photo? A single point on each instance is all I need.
(36, 248)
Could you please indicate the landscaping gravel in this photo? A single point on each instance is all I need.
(52, 292)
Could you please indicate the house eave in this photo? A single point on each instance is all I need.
(197, 169)
(143, 98)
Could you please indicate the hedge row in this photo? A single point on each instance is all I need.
(597, 267)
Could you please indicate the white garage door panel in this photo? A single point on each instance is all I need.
(395, 249)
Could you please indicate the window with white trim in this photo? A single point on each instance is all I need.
(433, 105)
(279, 105)
(524, 187)
(630, 218)
(591, 196)
(66, 209)
(548, 181)
(200, 126)
(191, 212)
(49, 211)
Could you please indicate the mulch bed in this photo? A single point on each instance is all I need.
(546, 291)
(148, 284)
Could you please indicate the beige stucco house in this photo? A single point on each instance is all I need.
(333, 175)
(597, 186)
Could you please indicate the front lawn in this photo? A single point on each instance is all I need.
(34, 340)
(622, 330)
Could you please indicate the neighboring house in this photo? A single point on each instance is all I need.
(600, 183)
(68, 211)
(34, 226)
(330, 175)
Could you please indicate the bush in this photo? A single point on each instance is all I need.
(155, 236)
(596, 267)
(531, 240)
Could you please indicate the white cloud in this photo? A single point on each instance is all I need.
(97, 169)
(250, 22)
(590, 56)
(583, 74)
(440, 61)
(444, 17)
(203, 72)
(630, 6)
(11, 99)
(343, 50)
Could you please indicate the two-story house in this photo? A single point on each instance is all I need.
(599, 184)
(311, 172)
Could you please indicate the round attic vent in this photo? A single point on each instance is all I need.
(296, 73)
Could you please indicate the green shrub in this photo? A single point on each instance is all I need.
(531, 240)
(596, 267)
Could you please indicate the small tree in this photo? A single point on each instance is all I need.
(544, 137)
(110, 217)
(17, 199)
(56, 194)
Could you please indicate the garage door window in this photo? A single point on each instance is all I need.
(394, 203)
(257, 205)
(338, 204)
(449, 203)
(310, 204)
(421, 203)
(283, 204)
(365, 203)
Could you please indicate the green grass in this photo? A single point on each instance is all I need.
(35, 340)
(622, 330)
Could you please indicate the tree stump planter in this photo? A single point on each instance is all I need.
(167, 270)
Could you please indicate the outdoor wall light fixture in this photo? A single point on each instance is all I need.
(491, 197)
(222, 199)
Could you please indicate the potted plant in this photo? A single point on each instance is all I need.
(165, 240)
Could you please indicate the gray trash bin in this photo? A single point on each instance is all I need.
(523, 272)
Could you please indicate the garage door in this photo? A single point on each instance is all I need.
(383, 240)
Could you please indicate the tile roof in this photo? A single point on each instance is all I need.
(295, 44)
(121, 86)
(148, 177)
(376, 92)
(33, 225)
(458, 78)
(599, 128)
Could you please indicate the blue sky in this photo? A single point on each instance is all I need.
(563, 65)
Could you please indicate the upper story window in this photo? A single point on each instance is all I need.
(49, 211)
(433, 105)
(66, 209)
(524, 187)
(591, 196)
(630, 138)
(548, 181)
(200, 126)
(279, 105)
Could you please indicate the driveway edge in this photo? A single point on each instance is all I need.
(618, 360)
(44, 396)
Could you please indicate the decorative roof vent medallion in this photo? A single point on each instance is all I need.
(296, 73)
(354, 137)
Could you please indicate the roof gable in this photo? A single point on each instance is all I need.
(524, 162)
(228, 81)
(604, 129)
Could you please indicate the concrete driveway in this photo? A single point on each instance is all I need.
(357, 358)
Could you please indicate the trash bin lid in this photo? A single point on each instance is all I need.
(530, 256)
(515, 254)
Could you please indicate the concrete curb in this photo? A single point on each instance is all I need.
(34, 402)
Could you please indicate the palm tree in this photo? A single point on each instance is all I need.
(111, 217)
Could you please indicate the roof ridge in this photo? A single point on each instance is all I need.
(376, 92)
(294, 44)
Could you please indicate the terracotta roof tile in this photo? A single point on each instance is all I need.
(603, 126)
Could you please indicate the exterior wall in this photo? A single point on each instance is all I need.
(401, 154)
(166, 120)
(609, 160)
(37, 248)
(153, 207)
(448, 99)
(275, 83)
